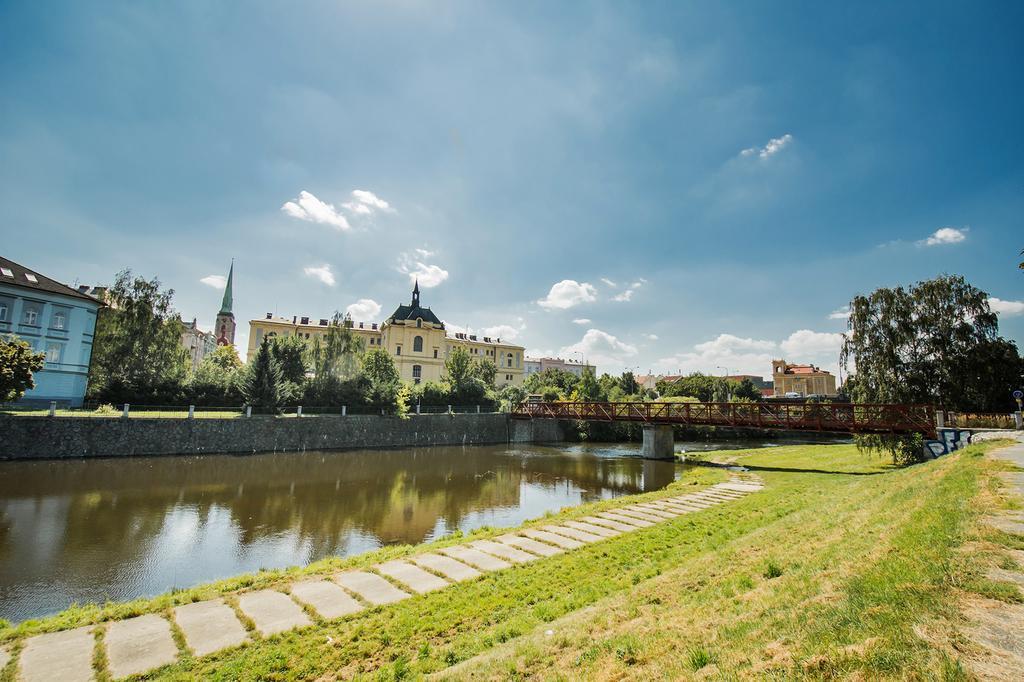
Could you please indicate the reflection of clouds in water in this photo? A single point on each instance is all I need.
(90, 530)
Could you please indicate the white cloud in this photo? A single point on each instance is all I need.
(601, 348)
(774, 146)
(366, 203)
(502, 331)
(581, 320)
(215, 281)
(322, 273)
(364, 310)
(308, 207)
(945, 235)
(627, 295)
(424, 253)
(427, 274)
(842, 313)
(568, 293)
(727, 343)
(608, 282)
(1006, 308)
(805, 342)
(651, 337)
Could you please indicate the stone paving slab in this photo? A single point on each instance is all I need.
(692, 502)
(614, 524)
(272, 611)
(446, 566)
(1007, 522)
(553, 538)
(676, 505)
(661, 514)
(511, 554)
(476, 558)
(592, 529)
(370, 587)
(529, 545)
(634, 517)
(5, 656)
(64, 656)
(326, 598)
(708, 495)
(669, 511)
(631, 513)
(209, 626)
(573, 533)
(412, 576)
(740, 487)
(139, 644)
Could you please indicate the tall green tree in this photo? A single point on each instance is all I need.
(18, 362)
(485, 370)
(629, 384)
(383, 381)
(137, 352)
(458, 367)
(290, 353)
(745, 390)
(215, 380)
(262, 384)
(587, 388)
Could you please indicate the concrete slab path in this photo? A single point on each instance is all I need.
(64, 656)
(412, 576)
(209, 626)
(272, 611)
(326, 598)
(139, 644)
(370, 587)
(144, 643)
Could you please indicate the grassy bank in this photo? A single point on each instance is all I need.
(840, 566)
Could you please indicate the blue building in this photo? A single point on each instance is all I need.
(54, 319)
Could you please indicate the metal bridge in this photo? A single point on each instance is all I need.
(858, 418)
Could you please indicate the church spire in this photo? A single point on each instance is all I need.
(225, 305)
(416, 293)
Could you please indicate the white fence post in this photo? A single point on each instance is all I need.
(298, 411)
(478, 409)
(53, 408)
(248, 411)
(191, 411)
(1018, 420)
(125, 413)
(417, 408)
(449, 409)
(344, 410)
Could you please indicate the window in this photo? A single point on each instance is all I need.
(58, 321)
(53, 352)
(510, 360)
(7, 272)
(32, 278)
(435, 353)
(417, 372)
(417, 344)
(31, 316)
(419, 322)
(3, 314)
(398, 350)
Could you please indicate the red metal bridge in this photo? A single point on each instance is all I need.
(825, 417)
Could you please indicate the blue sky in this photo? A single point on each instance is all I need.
(658, 186)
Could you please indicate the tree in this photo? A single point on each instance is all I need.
(509, 396)
(703, 387)
(384, 381)
(457, 367)
(484, 370)
(587, 388)
(137, 352)
(262, 385)
(927, 343)
(290, 354)
(17, 364)
(564, 381)
(215, 380)
(745, 390)
(628, 384)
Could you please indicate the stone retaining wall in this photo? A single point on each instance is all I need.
(23, 437)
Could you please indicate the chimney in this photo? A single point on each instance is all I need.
(323, 322)
(294, 318)
(270, 315)
(305, 320)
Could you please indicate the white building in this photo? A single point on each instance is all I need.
(197, 343)
(534, 365)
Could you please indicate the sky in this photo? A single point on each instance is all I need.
(649, 186)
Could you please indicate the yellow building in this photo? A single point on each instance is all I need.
(413, 335)
(803, 380)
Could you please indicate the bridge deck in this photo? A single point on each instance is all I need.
(825, 417)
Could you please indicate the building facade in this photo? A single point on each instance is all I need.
(801, 380)
(413, 335)
(55, 320)
(197, 343)
(534, 365)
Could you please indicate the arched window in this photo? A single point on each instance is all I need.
(509, 359)
(417, 344)
(417, 372)
(419, 322)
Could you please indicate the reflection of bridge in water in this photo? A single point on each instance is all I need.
(658, 418)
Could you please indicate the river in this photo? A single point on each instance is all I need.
(93, 530)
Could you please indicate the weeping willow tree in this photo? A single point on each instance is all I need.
(935, 342)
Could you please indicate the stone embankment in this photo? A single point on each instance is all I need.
(144, 643)
(24, 437)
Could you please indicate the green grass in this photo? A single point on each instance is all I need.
(842, 566)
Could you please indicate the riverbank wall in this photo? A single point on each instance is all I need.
(24, 437)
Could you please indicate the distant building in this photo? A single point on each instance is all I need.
(54, 319)
(224, 327)
(413, 335)
(534, 365)
(801, 380)
(197, 343)
(756, 379)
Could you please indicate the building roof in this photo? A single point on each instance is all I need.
(19, 277)
(804, 369)
(227, 302)
(415, 310)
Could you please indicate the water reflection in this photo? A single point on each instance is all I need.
(91, 530)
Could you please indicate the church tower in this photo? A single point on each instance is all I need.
(225, 325)
(416, 294)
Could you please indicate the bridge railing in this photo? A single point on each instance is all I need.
(834, 417)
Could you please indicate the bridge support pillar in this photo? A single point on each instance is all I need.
(659, 442)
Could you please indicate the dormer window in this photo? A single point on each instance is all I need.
(419, 322)
(32, 278)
